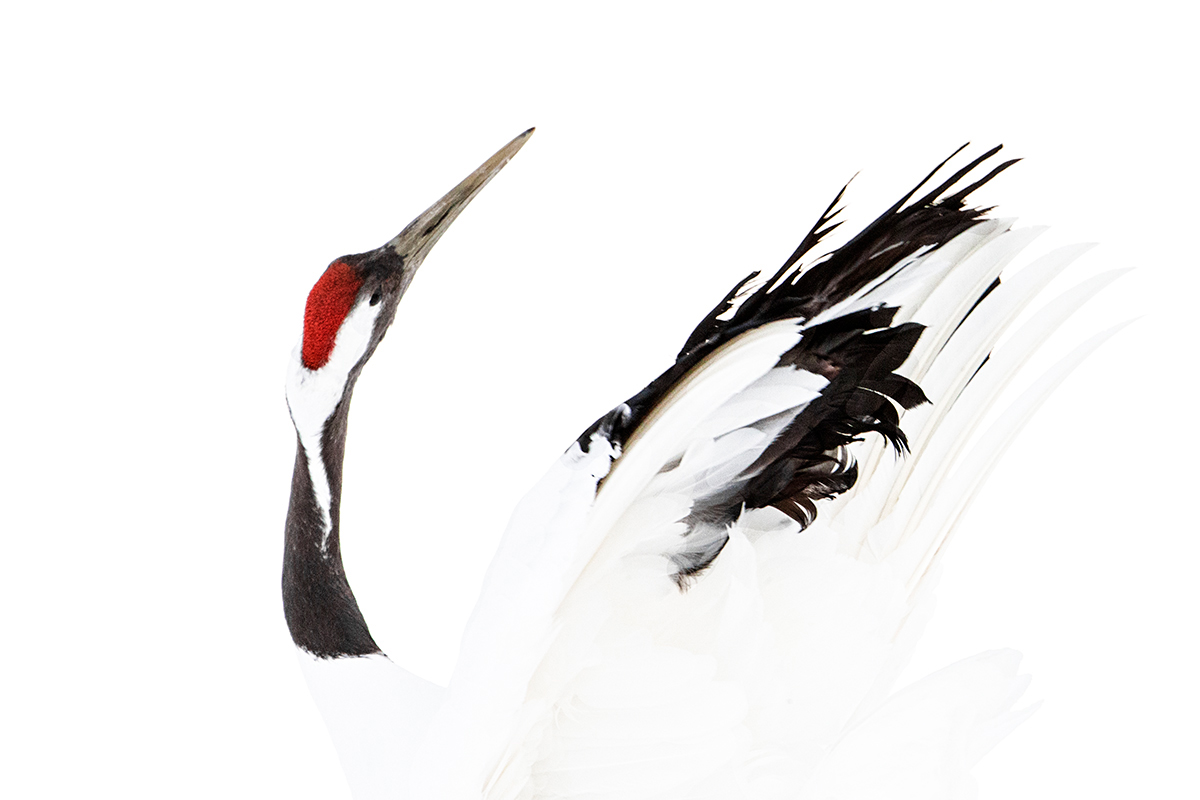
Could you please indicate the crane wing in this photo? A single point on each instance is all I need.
(711, 593)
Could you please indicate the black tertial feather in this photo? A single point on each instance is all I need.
(800, 293)
(857, 353)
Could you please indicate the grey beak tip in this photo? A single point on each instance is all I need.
(415, 241)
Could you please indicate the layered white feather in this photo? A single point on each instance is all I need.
(587, 672)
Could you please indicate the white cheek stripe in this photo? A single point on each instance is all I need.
(312, 396)
(320, 482)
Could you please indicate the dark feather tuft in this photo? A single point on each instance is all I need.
(857, 353)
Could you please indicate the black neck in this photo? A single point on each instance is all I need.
(320, 608)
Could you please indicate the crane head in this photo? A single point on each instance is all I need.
(354, 302)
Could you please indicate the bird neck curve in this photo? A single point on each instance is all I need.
(321, 611)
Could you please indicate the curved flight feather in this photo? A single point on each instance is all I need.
(711, 593)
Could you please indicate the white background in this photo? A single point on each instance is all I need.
(175, 179)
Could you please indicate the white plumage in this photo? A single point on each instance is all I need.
(596, 666)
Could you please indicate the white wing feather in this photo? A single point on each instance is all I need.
(586, 671)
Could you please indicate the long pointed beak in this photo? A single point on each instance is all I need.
(414, 242)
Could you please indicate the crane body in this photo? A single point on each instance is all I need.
(712, 591)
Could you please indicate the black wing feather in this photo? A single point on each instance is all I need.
(857, 353)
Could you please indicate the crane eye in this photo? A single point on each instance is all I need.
(376, 296)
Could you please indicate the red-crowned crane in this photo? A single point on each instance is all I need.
(711, 592)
